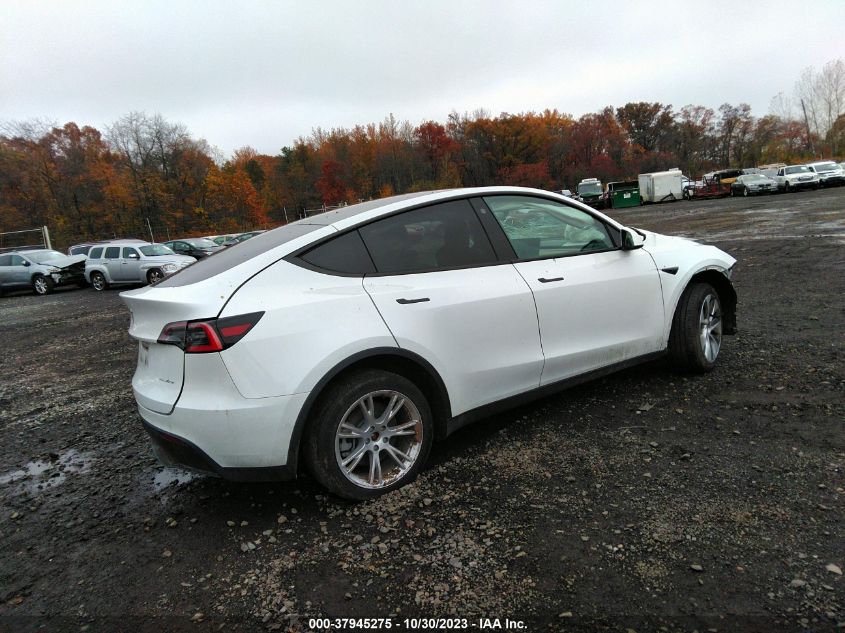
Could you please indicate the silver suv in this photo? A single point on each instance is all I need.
(131, 262)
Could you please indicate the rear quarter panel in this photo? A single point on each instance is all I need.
(312, 321)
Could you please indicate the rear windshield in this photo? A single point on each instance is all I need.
(237, 254)
(825, 166)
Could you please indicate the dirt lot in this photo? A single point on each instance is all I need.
(645, 501)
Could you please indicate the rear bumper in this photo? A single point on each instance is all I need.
(213, 428)
(172, 450)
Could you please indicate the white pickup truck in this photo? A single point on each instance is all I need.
(795, 177)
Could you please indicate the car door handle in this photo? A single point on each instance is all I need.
(407, 301)
(545, 280)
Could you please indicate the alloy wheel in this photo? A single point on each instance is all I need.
(378, 439)
(710, 327)
(40, 284)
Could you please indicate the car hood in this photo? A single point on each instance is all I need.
(66, 262)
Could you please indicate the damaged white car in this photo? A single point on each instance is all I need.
(350, 341)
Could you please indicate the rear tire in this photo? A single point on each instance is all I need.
(356, 448)
(696, 337)
(745, 192)
(98, 281)
(42, 285)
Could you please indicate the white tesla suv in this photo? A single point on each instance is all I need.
(351, 340)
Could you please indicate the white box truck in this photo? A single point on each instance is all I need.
(660, 186)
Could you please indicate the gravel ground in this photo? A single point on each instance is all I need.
(644, 501)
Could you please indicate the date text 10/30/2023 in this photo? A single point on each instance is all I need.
(415, 624)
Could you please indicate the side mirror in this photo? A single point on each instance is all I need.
(133, 256)
(628, 241)
(26, 263)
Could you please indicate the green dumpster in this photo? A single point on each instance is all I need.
(623, 194)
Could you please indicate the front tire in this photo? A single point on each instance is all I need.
(696, 336)
(42, 285)
(745, 192)
(154, 276)
(369, 434)
(98, 281)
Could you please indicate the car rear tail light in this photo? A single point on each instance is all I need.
(208, 335)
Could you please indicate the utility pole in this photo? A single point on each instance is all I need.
(807, 124)
(152, 237)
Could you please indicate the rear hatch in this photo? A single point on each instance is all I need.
(160, 370)
(197, 292)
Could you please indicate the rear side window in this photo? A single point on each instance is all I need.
(5, 260)
(344, 254)
(447, 235)
(95, 252)
(113, 252)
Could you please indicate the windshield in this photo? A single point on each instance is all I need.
(825, 166)
(589, 188)
(154, 250)
(753, 178)
(40, 257)
(797, 169)
(201, 242)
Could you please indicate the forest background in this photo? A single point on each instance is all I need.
(145, 173)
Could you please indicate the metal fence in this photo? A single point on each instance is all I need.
(26, 239)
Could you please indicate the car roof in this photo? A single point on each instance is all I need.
(262, 250)
(123, 243)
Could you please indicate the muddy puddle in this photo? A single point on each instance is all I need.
(43, 474)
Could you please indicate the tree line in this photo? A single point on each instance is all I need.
(89, 184)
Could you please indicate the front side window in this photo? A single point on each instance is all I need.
(129, 252)
(539, 228)
(17, 260)
(446, 235)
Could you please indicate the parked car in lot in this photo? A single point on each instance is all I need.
(590, 192)
(354, 338)
(84, 247)
(752, 185)
(219, 239)
(795, 177)
(131, 262)
(197, 247)
(243, 237)
(41, 269)
(830, 174)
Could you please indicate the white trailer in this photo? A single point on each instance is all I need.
(660, 186)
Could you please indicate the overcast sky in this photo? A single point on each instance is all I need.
(262, 74)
